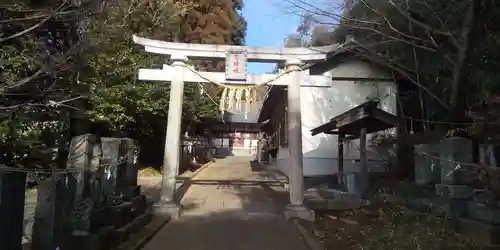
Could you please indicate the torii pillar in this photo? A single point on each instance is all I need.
(178, 75)
(171, 155)
(296, 208)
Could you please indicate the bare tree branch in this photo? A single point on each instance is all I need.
(56, 14)
(46, 68)
(319, 12)
(397, 68)
(444, 54)
(25, 31)
(316, 11)
(50, 103)
(448, 34)
(412, 43)
(389, 23)
(390, 32)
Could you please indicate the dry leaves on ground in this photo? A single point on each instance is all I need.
(386, 225)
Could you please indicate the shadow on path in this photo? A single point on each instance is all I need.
(228, 206)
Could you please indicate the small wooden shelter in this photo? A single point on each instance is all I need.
(356, 123)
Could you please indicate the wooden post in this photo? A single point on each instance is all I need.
(296, 208)
(340, 143)
(12, 188)
(362, 150)
(210, 146)
(260, 146)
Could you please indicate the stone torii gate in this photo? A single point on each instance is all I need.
(236, 74)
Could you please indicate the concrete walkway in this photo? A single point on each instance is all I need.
(226, 208)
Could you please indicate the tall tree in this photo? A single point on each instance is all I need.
(139, 109)
(40, 48)
(57, 52)
(119, 98)
(429, 41)
(212, 22)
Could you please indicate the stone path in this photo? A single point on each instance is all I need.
(227, 209)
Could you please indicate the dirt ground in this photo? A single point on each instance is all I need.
(386, 224)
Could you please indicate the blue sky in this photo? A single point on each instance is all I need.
(267, 25)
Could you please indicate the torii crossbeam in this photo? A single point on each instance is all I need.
(166, 75)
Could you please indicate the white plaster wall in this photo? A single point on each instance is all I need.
(247, 143)
(319, 105)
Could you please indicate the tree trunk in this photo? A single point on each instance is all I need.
(459, 82)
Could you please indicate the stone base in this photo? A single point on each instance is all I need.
(438, 206)
(122, 234)
(87, 241)
(129, 192)
(293, 211)
(450, 208)
(411, 190)
(483, 213)
(329, 199)
(454, 191)
(483, 234)
(167, 209)
(419, 204)
(120, 214)
(101, 239)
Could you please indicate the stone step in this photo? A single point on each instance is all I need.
(122, 234)
(116, 215)
(109, 237)
(356, 183)
(141, 237)
(330, 199)
(121, 214)
(138, 205)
